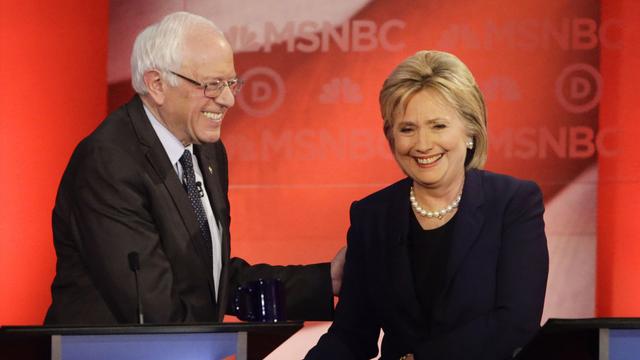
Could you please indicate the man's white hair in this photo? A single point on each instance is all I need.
(159, 47)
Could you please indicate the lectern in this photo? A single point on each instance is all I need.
(158, 342)
(585, 339)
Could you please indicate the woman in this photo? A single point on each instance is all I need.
(452, 261)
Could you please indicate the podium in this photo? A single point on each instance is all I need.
(585, 339)
(159, 342)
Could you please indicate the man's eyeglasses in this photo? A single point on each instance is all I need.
(214, 88)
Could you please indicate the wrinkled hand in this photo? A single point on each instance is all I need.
(337, 265)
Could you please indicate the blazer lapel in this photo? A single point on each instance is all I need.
(469, 220)
(398, 264)
(157, 157)
(210, 168)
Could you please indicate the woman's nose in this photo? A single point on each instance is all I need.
(424, 142)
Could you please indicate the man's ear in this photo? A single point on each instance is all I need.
(155, 85)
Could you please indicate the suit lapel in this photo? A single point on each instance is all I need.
(469, 221)
(159, 160)
(209, 168)
(398, 263)
(211, 173)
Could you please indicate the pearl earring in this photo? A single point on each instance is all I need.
(470, 144)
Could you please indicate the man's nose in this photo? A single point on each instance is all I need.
(226, 97)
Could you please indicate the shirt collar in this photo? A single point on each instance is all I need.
(172, 146)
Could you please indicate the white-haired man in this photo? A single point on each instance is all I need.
(152, 180)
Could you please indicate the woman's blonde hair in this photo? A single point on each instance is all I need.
(449, 77)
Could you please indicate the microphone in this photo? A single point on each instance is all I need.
(200, 189)
(134, 265)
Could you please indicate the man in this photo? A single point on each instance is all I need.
(152, 180)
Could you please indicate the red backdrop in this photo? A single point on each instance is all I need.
(295, 170)
(53, 90)
(618, 289)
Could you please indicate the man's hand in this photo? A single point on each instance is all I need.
(337, 264)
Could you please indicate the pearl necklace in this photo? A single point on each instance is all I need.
(433, 214)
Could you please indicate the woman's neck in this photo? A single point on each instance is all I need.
(437, 197)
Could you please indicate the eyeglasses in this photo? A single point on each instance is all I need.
(214, 88)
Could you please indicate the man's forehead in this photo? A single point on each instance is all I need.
(209, 59)
(201, 37)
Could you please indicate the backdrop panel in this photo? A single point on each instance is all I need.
(305, 138)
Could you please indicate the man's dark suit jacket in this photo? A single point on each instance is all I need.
(495, 278)
(119, 194)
